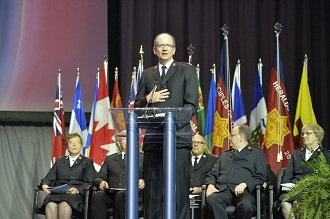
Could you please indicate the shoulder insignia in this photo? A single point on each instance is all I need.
(151, 67)
(185, 63)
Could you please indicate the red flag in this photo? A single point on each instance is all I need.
(58, 134)
(103, 137)
(222, 124)
(278, 138)
(117, 116)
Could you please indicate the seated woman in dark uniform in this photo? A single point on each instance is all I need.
(312, 136)
(75, 170)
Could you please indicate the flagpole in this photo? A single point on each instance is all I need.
(259, 66)
(225, 30)
(190, 53)
(278, 29)
(141, 53)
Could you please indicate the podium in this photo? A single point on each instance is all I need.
(161, 126)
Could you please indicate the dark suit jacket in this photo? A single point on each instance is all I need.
(181, 82)
(248, 166)
(199, 172)
(80, 175)
(113, 171)
(295, 170)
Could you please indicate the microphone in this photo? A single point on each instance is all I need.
(155, 83)
(152, 92)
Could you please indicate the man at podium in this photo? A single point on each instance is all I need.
(168, 84)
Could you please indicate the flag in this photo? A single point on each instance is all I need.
(194, 119)
(91, 120)
(222, 123)
(258, 117)
(78, 119)
(278, 138)
(103, 136)
(138, 74)
(208, 131)
(117, 115)
(304, 111)
(58, 134)
(237, 99)
(200, 110)
(133, 91)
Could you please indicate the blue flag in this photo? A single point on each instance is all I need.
(78, 119)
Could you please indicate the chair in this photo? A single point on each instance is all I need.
(274, 194)
(111, 211)
(37, 205)
(230, 210)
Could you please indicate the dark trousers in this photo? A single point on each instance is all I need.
(218, 201)
(153, 177)
(104, 200)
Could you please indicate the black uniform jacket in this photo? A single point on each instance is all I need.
(198, 172)
(80, 175)
(181, 82)
(114, 171)
(247, 166)
(295, 170)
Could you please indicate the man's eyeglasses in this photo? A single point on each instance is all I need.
(159, 46)
(74, 142)
(198, 142)
(306, 133)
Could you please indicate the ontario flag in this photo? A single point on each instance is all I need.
(258, 117)
(237, 99)
(103, 137)
(304, 111)
(58, 134)
(222, 124)
(278, 138)
(117, 115)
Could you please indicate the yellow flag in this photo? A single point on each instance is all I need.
(304, 110)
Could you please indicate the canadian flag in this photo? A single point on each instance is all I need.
(103, 135)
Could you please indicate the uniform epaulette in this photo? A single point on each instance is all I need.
(250, 148)
(151, 67)
(185, 63)
(230, 150)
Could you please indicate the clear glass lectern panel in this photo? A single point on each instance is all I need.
(151, 121)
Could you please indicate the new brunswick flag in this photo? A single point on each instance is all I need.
(278, 145)
(304, 111)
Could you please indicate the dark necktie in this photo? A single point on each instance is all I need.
(163, 72)
(195, 162)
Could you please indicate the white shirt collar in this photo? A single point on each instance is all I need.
(168, 65)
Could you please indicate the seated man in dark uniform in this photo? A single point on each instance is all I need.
(201, 164)
(111, 181)
(234, 177)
